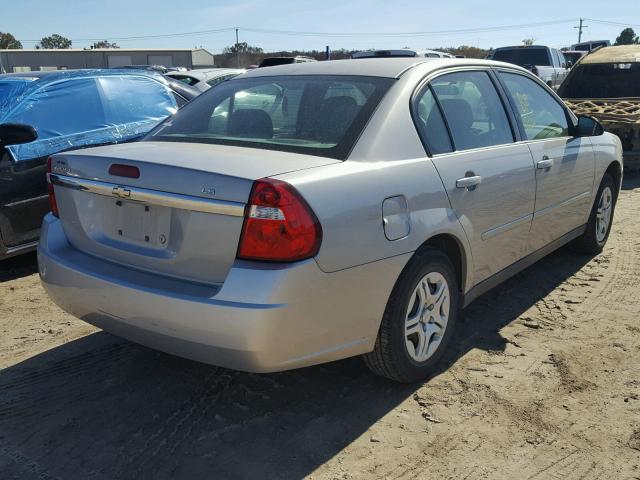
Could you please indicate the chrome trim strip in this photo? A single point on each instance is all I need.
(20, 248)
(564, 203)
(27, 200)
(507, 226)
(153, 197)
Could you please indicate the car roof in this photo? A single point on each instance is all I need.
(619, 54)
(206, 73)
(521, 47)
(368, 67)
(55, 75)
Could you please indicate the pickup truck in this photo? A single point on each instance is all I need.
(547, 63)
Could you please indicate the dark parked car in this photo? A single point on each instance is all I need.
(67, 110)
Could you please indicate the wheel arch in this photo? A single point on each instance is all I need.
(615, 171)
(454, 249)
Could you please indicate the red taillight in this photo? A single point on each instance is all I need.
(120, 170)
(52, 194)
(279, 225)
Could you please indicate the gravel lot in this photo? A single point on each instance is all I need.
(543, 381)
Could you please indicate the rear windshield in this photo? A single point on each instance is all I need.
(272, 62)
(523, 56)
(316, 115)
(606, 80)
(573, 57)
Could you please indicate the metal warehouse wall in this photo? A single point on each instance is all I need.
(99, 58)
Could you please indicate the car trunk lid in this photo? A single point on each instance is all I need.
(181, 217)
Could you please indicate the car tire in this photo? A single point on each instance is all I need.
(417, 324)
(594, 238)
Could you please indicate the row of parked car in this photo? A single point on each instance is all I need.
(299, 214)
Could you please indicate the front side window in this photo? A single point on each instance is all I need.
(540, 114)
(10, 94)
(473, 110)
(63, 108)
(316, 115)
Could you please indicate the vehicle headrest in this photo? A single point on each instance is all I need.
(251, 122)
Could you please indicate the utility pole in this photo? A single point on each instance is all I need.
(580, 28)
(238, 51)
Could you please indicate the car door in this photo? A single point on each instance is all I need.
(57, 112)
(489, 179)
(564, 164)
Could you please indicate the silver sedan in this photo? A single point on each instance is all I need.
(305, 213)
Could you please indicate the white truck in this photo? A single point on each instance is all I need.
(547, 63)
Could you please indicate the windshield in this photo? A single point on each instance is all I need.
(607, 80)
(523, 56)
(10, 90)
(316, 115)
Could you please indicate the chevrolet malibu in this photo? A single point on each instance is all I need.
(310, 212)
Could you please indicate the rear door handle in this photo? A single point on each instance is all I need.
(545, 163)
(469, 182)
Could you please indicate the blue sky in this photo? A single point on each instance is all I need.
(81, 20)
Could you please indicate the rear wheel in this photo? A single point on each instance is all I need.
(418, 321)
(595, 237)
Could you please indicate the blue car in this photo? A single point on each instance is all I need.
(67, 110)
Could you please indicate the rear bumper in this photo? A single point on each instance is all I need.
(263, 318)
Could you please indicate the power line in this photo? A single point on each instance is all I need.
(321, 34)
(142, 37)
(607, 22)
(406, 34)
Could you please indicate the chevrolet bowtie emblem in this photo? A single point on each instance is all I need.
(121, 192)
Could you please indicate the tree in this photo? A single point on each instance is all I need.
(9, 41)
(242, 48)
(627, 37)
(105, 44)
(466, 51)
(54, 41)
(240, 54)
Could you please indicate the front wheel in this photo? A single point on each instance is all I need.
(594, 238)
(419, 319)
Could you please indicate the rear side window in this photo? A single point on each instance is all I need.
(540, 114)
(430, 123)
(317, 115)
(185, 79)
(473, 110)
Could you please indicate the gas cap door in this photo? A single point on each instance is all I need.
(395, 217)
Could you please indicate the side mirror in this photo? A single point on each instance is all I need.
(588, 127)
(16, 133)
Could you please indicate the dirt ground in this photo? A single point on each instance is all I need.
(543, 381)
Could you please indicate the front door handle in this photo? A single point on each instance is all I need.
(469, 182)
(545, 163)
